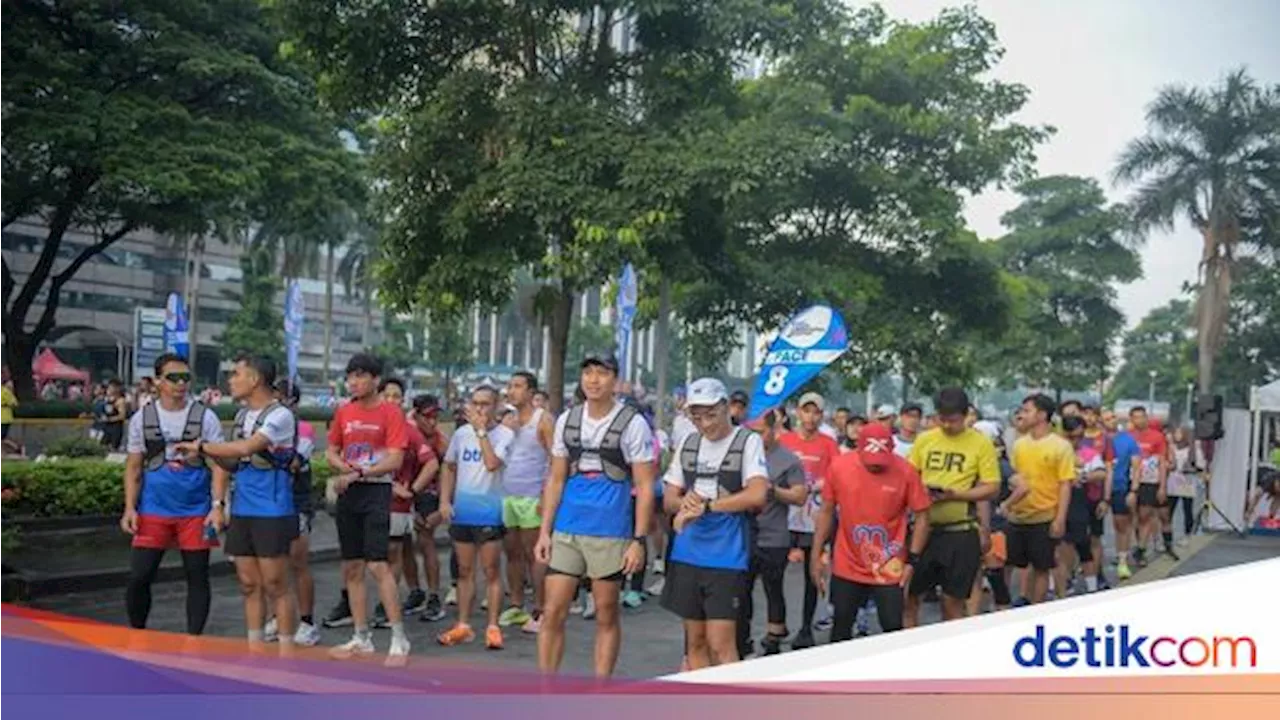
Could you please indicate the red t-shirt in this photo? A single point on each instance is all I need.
(816, 454)
(417, 453)
(872, 511)
(363, 435)
(1152, 442)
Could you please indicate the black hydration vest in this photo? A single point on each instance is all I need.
(153, 441)
(728, 477)
(610, 451)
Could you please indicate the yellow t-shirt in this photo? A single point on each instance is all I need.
(7, 403)
(954, 462)
(1044, 465)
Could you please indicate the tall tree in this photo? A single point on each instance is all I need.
(449, 347)
(120, 116)
(1068, 246)
(257, 327)
(1212, 156)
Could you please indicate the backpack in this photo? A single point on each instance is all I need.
(609, 453)
(264, 460)
(729, 476)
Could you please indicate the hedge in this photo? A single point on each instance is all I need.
(65, 410)
(80, 487)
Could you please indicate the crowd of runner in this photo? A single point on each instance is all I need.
(551, 516)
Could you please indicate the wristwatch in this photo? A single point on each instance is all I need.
(219, 504)
(639, 538)
(913, 559)
(482, 433)
(706, 505)
(770, 494)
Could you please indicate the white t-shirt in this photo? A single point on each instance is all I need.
(464, 451)
(637, 439)
(711, 456)
(681, 428)
(172, 424)
(829, 431)
(902, 446)
(278, 427)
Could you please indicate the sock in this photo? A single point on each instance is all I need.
(362, 634)
(255, 636)
(308, 619)
(1091, 583)
(397, 631)
(1168, 539)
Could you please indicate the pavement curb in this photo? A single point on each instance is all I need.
(1163, 566)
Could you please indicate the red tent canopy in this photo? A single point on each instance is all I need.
(48, 367)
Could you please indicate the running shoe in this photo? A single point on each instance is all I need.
(484, 602)
(271, 631)
(1122, 570)
(1184, 542)
(513, 616)
(339, 616)
(456, 635)
(398, 655)
(307, 635)
(746, 651)
(493, 638)
(1021, 602)
(1103, 583)
(534, 625)
(802, 640)
(379, 621)
(434, 610)
(823, 624)
(632, 599)
(656, 588)
(659, 567)
(1168, 550)
(416, 602)
(356, 646)
(771, 645)
(1140, 557)
(452, 598)
(589, 609)
(578, 607)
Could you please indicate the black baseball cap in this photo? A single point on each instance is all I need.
(603, 359)
(426, 404)
(287, 389)
(738, 396)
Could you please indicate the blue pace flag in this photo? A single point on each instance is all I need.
(626, 307)
(811, 340)
(294, 309)
(175, 327)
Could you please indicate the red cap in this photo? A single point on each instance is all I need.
(875, 444)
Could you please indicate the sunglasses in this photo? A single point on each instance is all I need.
(178, 377)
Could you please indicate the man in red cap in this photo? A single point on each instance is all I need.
(874, 491)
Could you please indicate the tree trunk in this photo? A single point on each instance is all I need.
(1211, 307)
(328, 313)
(22, 353)
(366, 332)
(662, 335)
(561, 317)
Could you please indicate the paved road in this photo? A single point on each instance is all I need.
(651, 636)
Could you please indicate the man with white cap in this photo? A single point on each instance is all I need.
(716, 482)
(874, 491)
(816, 452)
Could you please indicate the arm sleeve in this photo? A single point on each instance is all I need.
(558, 448)
(794, 474)
(335, 430)
(135, 442)
(675, 471)
(397, 435)
(279, 428)
(829, 491)
(753, 459)
(917, 496)
(637, 442)
(1066, 464)
(988, 463)
(916, 456)
(502, 438)
(451, 453)
(210, 427)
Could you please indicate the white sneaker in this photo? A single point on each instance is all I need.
(307, 635)
(1184, 542)
(452, 597)
(659, 567)
(271, 631)
(589, 611)
(576, 608)
(351, 648)
(656, 588)
(398, 655)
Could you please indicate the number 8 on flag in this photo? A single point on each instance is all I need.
(811, 340)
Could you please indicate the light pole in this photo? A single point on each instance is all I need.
(1151, 389)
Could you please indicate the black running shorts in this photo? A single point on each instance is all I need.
(698, 593)
(951, 560)
(1031, 545)
(364, 522)
(261, 537)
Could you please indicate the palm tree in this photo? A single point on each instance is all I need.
(1211, 156)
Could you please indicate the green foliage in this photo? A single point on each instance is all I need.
(448, 345)
(75, 446)
(53, 409)
(257, 327)
(587, 336)
(1065, 249)
(1162, 342)
(153, 114)
(63, 487)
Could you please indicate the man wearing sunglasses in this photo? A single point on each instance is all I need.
(168, 499)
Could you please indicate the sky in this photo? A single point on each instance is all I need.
(1092, 67)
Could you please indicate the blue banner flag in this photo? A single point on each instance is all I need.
(626, 307)
(175, 327)
(294, 310)
(811, 340)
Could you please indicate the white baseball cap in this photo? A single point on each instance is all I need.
(814, 398)
(706, 392)
(886, 410)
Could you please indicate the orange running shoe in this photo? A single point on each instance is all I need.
(493, 638)
(456, 635)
